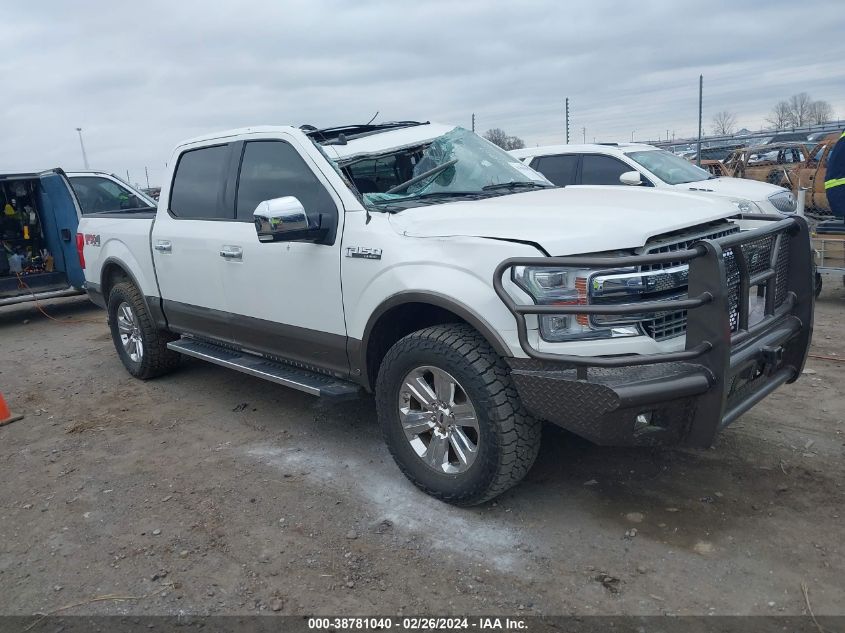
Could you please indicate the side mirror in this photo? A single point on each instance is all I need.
(285, 220)
(631, 178)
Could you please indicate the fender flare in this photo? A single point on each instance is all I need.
(153, 307)
(358, 349)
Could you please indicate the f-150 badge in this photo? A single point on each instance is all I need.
(362, 252)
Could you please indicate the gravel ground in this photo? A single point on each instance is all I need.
(210, 492)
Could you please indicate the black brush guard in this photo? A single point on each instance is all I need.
(691, 394)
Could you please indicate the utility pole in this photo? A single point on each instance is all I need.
(82, 146)
(147, 174)
(632, 135)
(473, 121)
(567, 120)
(584, 130)
(700, 103)
(128, 180)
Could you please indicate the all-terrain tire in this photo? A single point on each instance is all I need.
(509, 438)
(156, 359)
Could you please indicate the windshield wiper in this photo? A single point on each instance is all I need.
(514, 185)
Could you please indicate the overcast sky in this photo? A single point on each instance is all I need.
(138, 77)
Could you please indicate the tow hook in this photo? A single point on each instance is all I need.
(771, 358)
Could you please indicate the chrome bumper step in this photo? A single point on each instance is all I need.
(310, 382)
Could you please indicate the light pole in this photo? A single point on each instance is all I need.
(82, 146)
(632, 135)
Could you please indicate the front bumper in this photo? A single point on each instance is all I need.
(684, 397)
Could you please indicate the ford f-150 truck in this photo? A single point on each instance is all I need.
(476, 300)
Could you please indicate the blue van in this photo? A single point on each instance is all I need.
(39, 214)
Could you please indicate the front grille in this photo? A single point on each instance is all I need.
(666, 325)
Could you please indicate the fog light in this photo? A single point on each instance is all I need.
(642, 420)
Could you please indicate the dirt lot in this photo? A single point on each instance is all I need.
(211, 492)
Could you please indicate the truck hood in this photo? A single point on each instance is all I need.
(753, 190)
(566, 221)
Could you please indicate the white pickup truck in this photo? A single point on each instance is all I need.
(475, 299)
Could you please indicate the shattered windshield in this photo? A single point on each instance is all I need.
(669, 168)
(458, 164)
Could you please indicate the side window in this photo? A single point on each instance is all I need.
(602, 170)
(197, 183)
(274, 169)
(98, 195)
(559, 169)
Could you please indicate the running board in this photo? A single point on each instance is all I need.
(308, 381)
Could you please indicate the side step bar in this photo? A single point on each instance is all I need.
(310, 382)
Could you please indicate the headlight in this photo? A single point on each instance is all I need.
(568, 286)
(746, 206)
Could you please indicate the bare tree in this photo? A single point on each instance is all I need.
(780, 118)
(499, 137)
(724, 123)
(799, 109)
(820, 112)
(514, 142)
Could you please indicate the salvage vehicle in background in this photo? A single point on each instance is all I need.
(647, 166)
(39, 214)
(716, 168)
(810, 175)
(767, 163)
(421, 262)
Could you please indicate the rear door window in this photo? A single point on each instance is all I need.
(559, 169)
(597, 169)
(197, 184)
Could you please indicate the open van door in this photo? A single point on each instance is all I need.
(62, 216)
(39, 216)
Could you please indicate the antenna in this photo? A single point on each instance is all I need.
(373, 119)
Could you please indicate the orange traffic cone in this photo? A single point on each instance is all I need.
(6, 416)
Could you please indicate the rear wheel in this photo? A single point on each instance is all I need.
(451, 416)
(141, 346)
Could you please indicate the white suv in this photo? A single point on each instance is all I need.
(649, 166)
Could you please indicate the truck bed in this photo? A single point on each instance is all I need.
(123, 237)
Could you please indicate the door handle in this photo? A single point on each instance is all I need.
(163, 246)
(232, 252)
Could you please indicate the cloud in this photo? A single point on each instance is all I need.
(140, 77)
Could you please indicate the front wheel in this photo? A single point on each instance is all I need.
(451, 416)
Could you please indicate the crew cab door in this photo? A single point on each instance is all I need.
(192, 224)
(285, 298)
